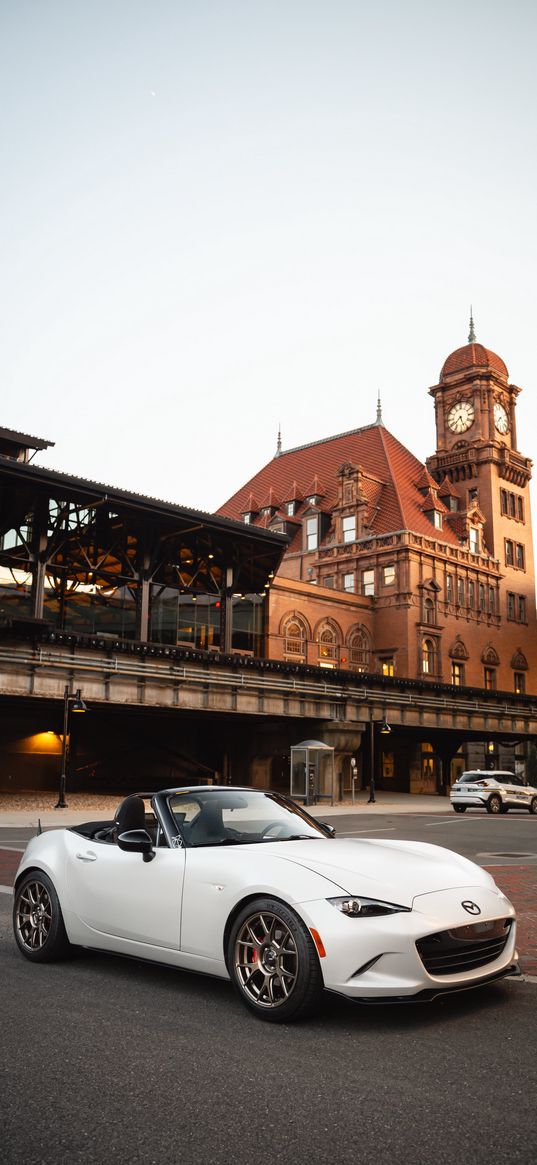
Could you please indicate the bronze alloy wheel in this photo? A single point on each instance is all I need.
(494, 804)
(273, 962)
(37, 919)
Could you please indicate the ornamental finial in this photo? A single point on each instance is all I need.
(279, 442)
(471, 334)
(379, 410)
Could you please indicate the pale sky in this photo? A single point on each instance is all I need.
(220, 215)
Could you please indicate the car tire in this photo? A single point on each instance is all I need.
(494, 804)
(273, 962)
(533, 805)
(459, 808)
(37, 920)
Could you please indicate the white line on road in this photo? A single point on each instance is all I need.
(13, 849)
(6, 889)
(353, 832)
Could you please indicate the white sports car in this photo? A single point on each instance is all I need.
(245, 885)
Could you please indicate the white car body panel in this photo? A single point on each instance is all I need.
(175, 908)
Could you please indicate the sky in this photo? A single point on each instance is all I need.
(222, 216)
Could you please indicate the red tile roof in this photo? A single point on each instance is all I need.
(473, 356)
(389, 476)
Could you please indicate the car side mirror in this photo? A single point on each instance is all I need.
(137, 841)
(328, 829)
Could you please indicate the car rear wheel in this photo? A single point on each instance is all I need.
(273, 962)
(460, 808)
(494, 804)
(37, 920)
(533, 805)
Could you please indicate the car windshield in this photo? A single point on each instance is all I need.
(239, 817)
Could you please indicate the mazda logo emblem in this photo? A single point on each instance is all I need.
(471, 907)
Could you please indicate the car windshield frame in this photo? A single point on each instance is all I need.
(207, 817)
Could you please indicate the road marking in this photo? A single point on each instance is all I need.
(13, 849)
(6, 889)
(354, 832)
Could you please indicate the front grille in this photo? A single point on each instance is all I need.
(451, 952)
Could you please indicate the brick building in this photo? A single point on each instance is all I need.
(411, 570)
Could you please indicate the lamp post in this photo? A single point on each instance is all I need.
(77, 705)
(385, 730)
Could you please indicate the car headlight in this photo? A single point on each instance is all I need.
(365, 907)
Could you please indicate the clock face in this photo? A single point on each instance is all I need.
(501, 420)
(461, 416)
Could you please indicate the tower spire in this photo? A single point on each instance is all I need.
(379, 420)
(471, 334)
(279, 441)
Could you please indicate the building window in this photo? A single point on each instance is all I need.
(294, 638)
(449, 588)
(387, 665)
(290, 509)
(247, 519)
(327, 646)
(520, 556)
(503, 501)
(428, 612)
(359, 651)
(328, 581)
(521, 609)
(349, 528)
(368, 582)
(348, 582)
(520, 509)
(471, 595)
(437, 520)
(520, 683)
(460, 592)
(481, 596)
(428, 658)
(388, 575)
(489, 678)
(474, 540)
(457, 674)
(512, 505)
(509, 559)
(312, 533)
(510, 605)
(492, 601)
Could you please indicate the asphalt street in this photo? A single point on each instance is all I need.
(108, 1060)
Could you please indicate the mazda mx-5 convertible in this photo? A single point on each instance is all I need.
(246, 885)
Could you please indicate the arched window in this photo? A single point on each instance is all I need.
(359, 650)
(294, 632)
(428, 612)
(328, 639)
(428, 657)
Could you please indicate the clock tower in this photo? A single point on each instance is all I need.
(476, 446)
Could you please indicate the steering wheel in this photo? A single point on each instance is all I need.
(280, 827)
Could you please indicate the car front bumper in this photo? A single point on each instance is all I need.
(375, 959)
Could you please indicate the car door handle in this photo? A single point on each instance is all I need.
(89, 856)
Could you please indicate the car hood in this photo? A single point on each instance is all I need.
(393, 871)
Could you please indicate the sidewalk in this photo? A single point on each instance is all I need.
(26, 809)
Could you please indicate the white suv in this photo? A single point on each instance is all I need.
(494, 790)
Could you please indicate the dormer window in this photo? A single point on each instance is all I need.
(290, 509)
(247, 518)
(313, 499)
(473, 537)
(348, 526)
(437, 520)
(312, 533)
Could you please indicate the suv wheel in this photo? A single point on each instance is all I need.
(460, 808)
(494, 804)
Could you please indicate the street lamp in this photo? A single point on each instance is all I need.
(77, 705)
(384, 730)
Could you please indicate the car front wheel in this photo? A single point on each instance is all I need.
(494, 804)
(37, 920)
(533, 805)
(273, 962)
